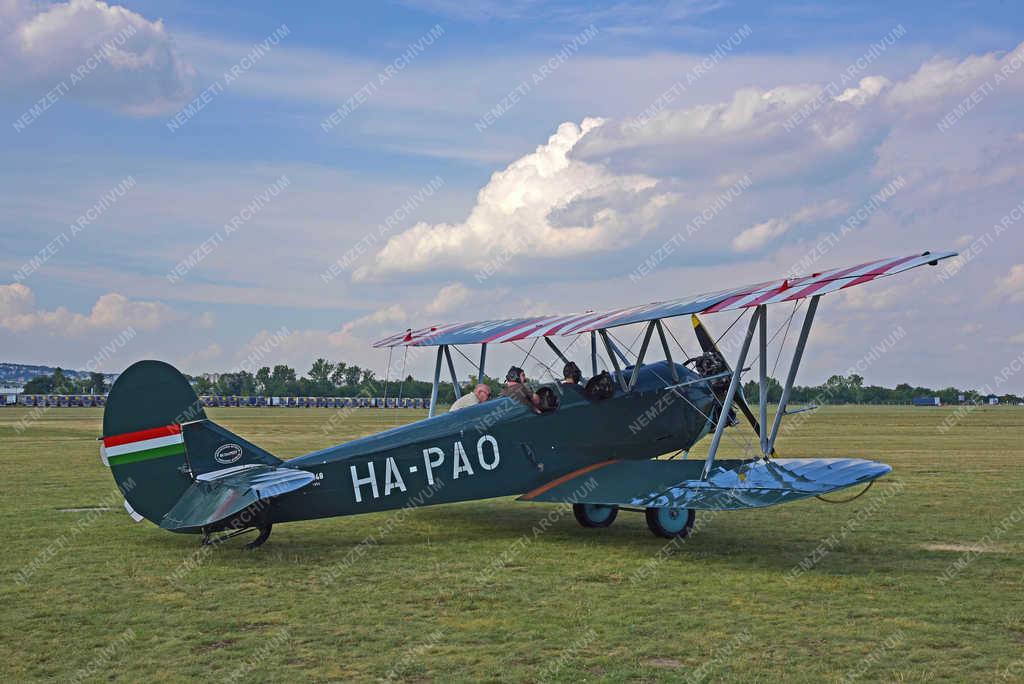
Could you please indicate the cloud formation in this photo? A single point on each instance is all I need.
(111, 311)
(759, 235)
(1012, 285)
(794, 129)
(87, 50)
(603, 186)
(545, 204)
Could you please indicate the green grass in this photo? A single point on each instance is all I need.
(470, 592)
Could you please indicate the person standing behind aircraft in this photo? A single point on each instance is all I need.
(479, 395)
(515, 387)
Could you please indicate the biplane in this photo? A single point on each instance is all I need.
(599, 446)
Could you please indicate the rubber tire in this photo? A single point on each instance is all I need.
(657, 525)
(584, 515)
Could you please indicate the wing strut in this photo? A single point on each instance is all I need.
(793, 368)
(723, 417)
(760, 318)
(668, 352)
(451, 369)
(437, 381)
(612, 349)
(641, 355)
(555, 349)
(762, 394)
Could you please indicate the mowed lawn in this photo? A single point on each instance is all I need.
(920, 580)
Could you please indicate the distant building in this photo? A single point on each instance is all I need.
(9, 395)
(927, 401)
(992, 400)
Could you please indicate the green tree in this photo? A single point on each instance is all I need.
(338, 374)
(282, 380)
(202, 385)
(61, 383)
(320, 376)
(97, 384)
(41, 384)
(352, 375)
(263, 380)
(752, 391)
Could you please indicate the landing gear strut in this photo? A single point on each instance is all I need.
(261, 538)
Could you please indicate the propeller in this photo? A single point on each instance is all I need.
(714, 361)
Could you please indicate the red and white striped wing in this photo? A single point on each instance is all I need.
(771, 292)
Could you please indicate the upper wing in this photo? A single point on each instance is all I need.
(731, 485)
(772, 292)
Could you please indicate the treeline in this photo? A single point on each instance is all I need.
(323, 379)
(326, 379)
(61, 383)
(851, 390)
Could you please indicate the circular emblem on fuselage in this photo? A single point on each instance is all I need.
(227, 454)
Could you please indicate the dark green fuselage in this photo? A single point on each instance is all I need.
(499, 448)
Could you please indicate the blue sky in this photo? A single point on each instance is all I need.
(582, 174)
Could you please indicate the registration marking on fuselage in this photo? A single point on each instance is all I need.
(433, 458)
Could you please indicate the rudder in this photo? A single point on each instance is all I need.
(142, 440)
(157, 439)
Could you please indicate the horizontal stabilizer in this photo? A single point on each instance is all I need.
(218, 495)
(731, 485)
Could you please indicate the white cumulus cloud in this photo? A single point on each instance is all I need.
(761, 234)
(545, 204)
(448, 297)
(18, 313)
(941, 78)
(91, 51)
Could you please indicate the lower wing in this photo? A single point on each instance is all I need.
(731, 485)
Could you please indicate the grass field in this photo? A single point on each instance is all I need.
(918, 580)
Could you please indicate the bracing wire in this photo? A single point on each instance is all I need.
(535, 341)
(771, 340)
(742, 314)
(572, 344)
(529, 355)
(638, 334)
(796, 307)
(472, 363)
(401, 385)
(387, 373)
(849, 499)
(746, 447)
(623, 344)
(463, 355)
(686, 354)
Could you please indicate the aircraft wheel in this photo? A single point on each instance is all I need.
(594, 515)
(670, 522)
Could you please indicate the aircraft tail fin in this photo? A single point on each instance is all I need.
(159, 443)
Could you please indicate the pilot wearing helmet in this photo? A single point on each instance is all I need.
(515, 387)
